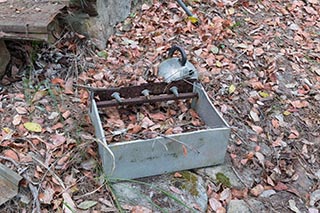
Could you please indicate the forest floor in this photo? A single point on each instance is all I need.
(259, 62)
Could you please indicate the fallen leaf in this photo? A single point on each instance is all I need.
(257, 190)
(185, 150)
(16, 120)
(39, 95)
(32, 127)
(225, 194)
(68, 87)
(193, 19)
(177, 130)
(140, 209)
(66, 114)
(260, 157)
(146, 122)
(263, 94)
(258, 51)
(87, 204)
(314, 197)
(286, 113)
(46, 196)
(293, 207)
(257, 129)
(21, 110)
(275, 123)
(232, 88)
(214, 204)
(175, 190)
(294, 134)
(68, 204)
(280, 186)
(299, 104)
(254, 116)
(11, 154)
(158, 116)
(177, 175)
(239, 193)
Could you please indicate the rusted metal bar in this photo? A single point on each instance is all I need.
(158, 88)
(143, 99)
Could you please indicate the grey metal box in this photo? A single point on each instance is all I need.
(141, 158)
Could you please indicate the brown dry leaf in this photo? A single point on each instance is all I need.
(39, 95)
(239, 193)
(177, 130)
(140, 209)
(258, 51)
(225, 195)
(194, 114)
(185, 150)
(21, 110)
(257, 129)
(146, 123)
(175, 190)
(46, 196)
(68, 204)
(275, 123)
(214, 204)
(177, 175)
(66, 114)
(58, 140)
(294, 134)
(68, 87)
(299, 104)
(260, 157)
(10, 154)
(16, 120)
(257, 190)
(158, 116)
(280, 186)
(57, 81)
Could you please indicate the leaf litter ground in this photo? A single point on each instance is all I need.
(258, 60)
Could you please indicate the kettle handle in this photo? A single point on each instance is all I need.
(183, 59)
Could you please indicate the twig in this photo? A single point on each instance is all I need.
(236, 134)
(11, 160)
(49, 169)
(90, 193)
(256, 30)
(89, 87)
(35, 194)
(238, 176)
(175, 140)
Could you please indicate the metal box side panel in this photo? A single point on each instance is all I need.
(162, 155)
(99, 132)
(206, 110)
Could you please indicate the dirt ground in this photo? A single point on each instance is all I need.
(259, 62)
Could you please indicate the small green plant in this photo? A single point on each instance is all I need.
(222, 179)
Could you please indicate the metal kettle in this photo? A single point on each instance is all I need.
(174, 69)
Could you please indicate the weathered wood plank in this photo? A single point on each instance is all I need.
(9, 181)
(34, 20)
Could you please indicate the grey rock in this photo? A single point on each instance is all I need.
(4, 58)
(98, 28)
(190, 189)
(257, 206)
(267, 193)
(238, 206)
